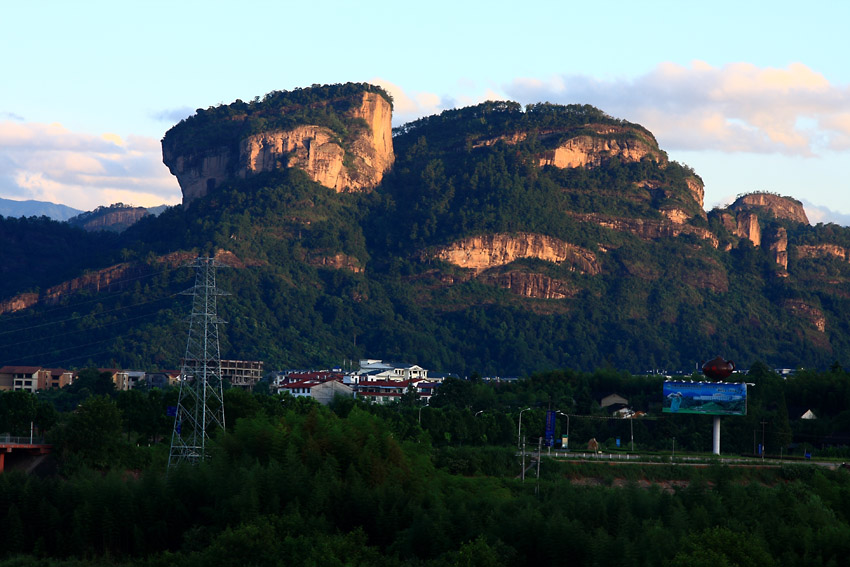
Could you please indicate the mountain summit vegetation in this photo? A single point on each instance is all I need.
(499, 239)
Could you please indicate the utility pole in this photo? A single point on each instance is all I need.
(523, 457)
(539, 455)
(200, 405)
(762, 439)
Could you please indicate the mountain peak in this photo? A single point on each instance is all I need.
(340, 135)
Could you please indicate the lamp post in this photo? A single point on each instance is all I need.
(567, 448)
(420, 414)
(519, 430)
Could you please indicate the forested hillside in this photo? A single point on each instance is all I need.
(502, 240)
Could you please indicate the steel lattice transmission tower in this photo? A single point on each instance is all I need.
(200, 407)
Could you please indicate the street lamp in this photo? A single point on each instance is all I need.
(519, 430)
(420, 414)
(568, 429)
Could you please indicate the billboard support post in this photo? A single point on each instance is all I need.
(706, 398)
(716, 436)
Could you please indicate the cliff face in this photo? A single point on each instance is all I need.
(586, 150)
(822, 250)
(356, 162)
(777, 243)
(648, 229)
(112, 278)
(115, 221)
(538, 286)
(780, 207)
(481, 253)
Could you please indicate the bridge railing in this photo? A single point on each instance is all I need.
(7, 439)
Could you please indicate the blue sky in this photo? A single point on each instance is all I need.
(753, 95)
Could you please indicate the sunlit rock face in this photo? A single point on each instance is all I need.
(780, 207)
(356, 163)
(487, 251)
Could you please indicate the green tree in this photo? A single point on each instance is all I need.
(92, 434)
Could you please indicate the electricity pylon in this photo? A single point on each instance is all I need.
(200, 406)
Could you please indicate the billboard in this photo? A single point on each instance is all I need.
(708, 398)
(550, 428)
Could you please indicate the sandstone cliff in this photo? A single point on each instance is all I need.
(533, 285)
(480, 253)
(606, 143)
(353, 155)
(111, 278)
(777, 243)
(780, 207)
(647, 229)
(115, 221)
(114, 218)
(822, 250)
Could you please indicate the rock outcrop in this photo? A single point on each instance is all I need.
(743, 224)
(608, 142)
(338, 261)
(777, 243)
(533, 285)
(18, 303)
(112, 278)
(115, 221)
(780, 207)
(114, 218)
(697, 189)
(647, 229)
(354, 162)
(807, 312)
(488, 251)
(822, 250)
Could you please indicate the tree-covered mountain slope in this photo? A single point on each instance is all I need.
(499, 239)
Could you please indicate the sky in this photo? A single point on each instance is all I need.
(755, 96)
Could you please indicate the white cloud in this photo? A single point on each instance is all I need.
(820, 214)
(173, 115)
(410, 105)
(47, 162)
(735, 108)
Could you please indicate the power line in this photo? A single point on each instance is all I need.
(77, 317)
(14, 316)
(119, 322)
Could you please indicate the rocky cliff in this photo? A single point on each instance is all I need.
(343, 143)
(648, 229)
(822, 251)
(109, 279)
(116, 220)
(780, 207)
(529, 284)
(604, 144)
(480, 253)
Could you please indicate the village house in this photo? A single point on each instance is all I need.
(55, 378)
(19, 378)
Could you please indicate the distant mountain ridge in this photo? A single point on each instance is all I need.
(31, 208)
(114, 218)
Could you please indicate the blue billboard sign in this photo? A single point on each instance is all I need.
(550, 428)
(707, 398)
